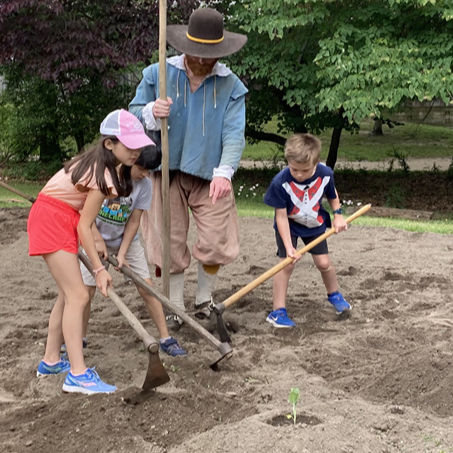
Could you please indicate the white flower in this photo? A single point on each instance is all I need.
(359, 204)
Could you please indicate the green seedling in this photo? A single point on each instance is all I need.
(293, 398)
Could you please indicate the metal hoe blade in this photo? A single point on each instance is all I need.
(220, 322)
(226, 351)
(156, 374)
(223, 347)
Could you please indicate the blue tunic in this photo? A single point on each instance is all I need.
(206, 128)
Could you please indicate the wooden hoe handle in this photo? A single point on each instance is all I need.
(149, 341)
(17, 192)
(277, 268)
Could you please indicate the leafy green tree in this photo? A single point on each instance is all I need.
(68, 62)
(42, 114)
(329, 64)
(6, 136)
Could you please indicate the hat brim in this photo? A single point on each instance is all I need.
(177, 38)
(135, 141)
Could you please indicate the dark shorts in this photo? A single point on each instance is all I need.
(318, 249)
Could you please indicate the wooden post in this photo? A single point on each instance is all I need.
(166, 261)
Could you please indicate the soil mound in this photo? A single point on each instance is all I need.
(378, 381)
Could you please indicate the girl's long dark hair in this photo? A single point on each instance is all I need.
(95, 161)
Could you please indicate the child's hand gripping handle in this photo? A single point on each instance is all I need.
(277, 268)
(156, 374)
(150, 343)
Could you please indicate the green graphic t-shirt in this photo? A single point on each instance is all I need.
(114, 213)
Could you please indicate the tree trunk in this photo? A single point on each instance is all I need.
(80, 140)
(301, 129)
(49, 147)
(266, 136)
(377, 127)
(335, 141)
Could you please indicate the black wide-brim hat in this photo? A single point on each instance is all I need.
(204, 36)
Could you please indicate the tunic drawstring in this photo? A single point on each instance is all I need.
(204, 103)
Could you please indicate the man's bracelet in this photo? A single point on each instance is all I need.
(338, 211)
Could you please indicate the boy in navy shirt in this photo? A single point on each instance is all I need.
(296, 194)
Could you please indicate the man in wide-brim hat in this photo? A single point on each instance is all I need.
(206, 119)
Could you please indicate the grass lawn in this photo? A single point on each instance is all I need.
(250, 187)
(249, 195)
(9, 199)
(255, 208)
(411, 140)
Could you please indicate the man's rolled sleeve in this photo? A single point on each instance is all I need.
(145, 94)
(151, 122)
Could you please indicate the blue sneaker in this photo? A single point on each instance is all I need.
(337, 300)
(171, 347)
(84, 343)
(62, 366)
(279, 318)
(87, 383)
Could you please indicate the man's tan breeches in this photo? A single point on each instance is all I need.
(217, 225)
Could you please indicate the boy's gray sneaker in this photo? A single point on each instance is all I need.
(174, 322)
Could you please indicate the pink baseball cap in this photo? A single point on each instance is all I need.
(127, 128)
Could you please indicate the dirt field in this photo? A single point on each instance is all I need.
(380, 381)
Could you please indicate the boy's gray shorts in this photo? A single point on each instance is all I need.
(135, 256)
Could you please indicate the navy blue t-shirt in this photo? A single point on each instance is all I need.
(302, 200)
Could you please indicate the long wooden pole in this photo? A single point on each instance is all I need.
(166, 261)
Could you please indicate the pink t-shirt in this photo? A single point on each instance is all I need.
(61, 188)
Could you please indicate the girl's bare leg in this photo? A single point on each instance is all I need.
(65, 269)
(55, 333)
(87, 312)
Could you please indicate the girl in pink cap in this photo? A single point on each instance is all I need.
(55, 226)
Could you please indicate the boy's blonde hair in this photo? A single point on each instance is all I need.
(303, 148)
